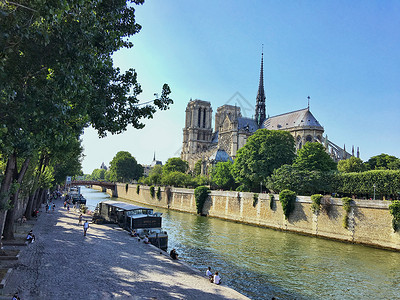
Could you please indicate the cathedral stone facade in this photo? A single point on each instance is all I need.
(231, 130)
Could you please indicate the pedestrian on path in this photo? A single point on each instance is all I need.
(68, 207)
(85, 227)
(80, 219)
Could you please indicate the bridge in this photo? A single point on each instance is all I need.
(105, 185)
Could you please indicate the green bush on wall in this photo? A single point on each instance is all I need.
(394, 209)
(346, 201)
(255, 200)
(158, 193)
(152, 191)
(271, 201)
(288, 200)
(316, 202)
(201, 194)
(137, 189)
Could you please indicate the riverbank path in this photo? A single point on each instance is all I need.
(106, 264)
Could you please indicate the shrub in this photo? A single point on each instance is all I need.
(152, 191)
(346, 201)
(287, 199)
(255, 200)
(168, 192)
(271, 201)
(137, 189)
(316, 202)
(394, 209)
(201, 194)
(158, 193)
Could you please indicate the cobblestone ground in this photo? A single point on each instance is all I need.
(106, 264)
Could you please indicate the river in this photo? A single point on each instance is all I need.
(261, 263)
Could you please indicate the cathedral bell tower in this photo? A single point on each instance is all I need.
(260, 115)
(197, 133)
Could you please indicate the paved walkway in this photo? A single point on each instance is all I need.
(106, 264)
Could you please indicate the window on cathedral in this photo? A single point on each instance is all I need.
(199, 118)
(309, 138)
(204, 118)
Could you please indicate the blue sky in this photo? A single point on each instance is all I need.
(345, 55)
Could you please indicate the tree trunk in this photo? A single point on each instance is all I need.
(8, 231)
(39, 199)
(29, 206)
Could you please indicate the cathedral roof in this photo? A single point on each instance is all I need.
(214, 139)
(247, 124)
(298, 118)
(220, 156)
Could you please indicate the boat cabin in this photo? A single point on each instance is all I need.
(129, 216)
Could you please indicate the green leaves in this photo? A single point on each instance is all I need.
(265, 151)
(394, 209)
(222, 175)
(313, 157)
(124, 168)
(201, 194)
(288, 200)
(175, 164)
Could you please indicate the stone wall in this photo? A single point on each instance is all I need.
(370, 222)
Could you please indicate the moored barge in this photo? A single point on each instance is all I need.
(132, 217)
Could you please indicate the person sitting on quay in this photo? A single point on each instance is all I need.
(133, 233)
(30, 237)
(35, 213)
(210, 274)
(217, 278)
(146, 240)
(173, 254)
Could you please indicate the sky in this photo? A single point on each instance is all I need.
(345, 55)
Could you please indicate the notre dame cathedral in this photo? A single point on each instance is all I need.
(231, 130)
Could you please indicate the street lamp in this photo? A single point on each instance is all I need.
(374, 190)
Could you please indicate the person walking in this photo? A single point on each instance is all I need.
(80, 219)
(85, 227)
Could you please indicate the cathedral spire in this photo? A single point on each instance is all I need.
(260, 105)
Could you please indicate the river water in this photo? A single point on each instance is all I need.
(261, 263)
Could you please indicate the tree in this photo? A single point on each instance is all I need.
(177, 179)
(197, 167)
(155, 175)
(98, 174)
(57, 77)
(352, 164)
(175, 164)
(303, 182)
(124, 167)
(383, 162)
(222, 175)
(313, 157)
(265, 151)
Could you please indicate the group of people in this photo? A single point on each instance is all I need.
(214, 278)
(50, 205)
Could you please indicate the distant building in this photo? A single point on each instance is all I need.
(147, 168)
(103, 166)
(231, 131)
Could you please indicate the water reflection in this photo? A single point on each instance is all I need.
(262, 263)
